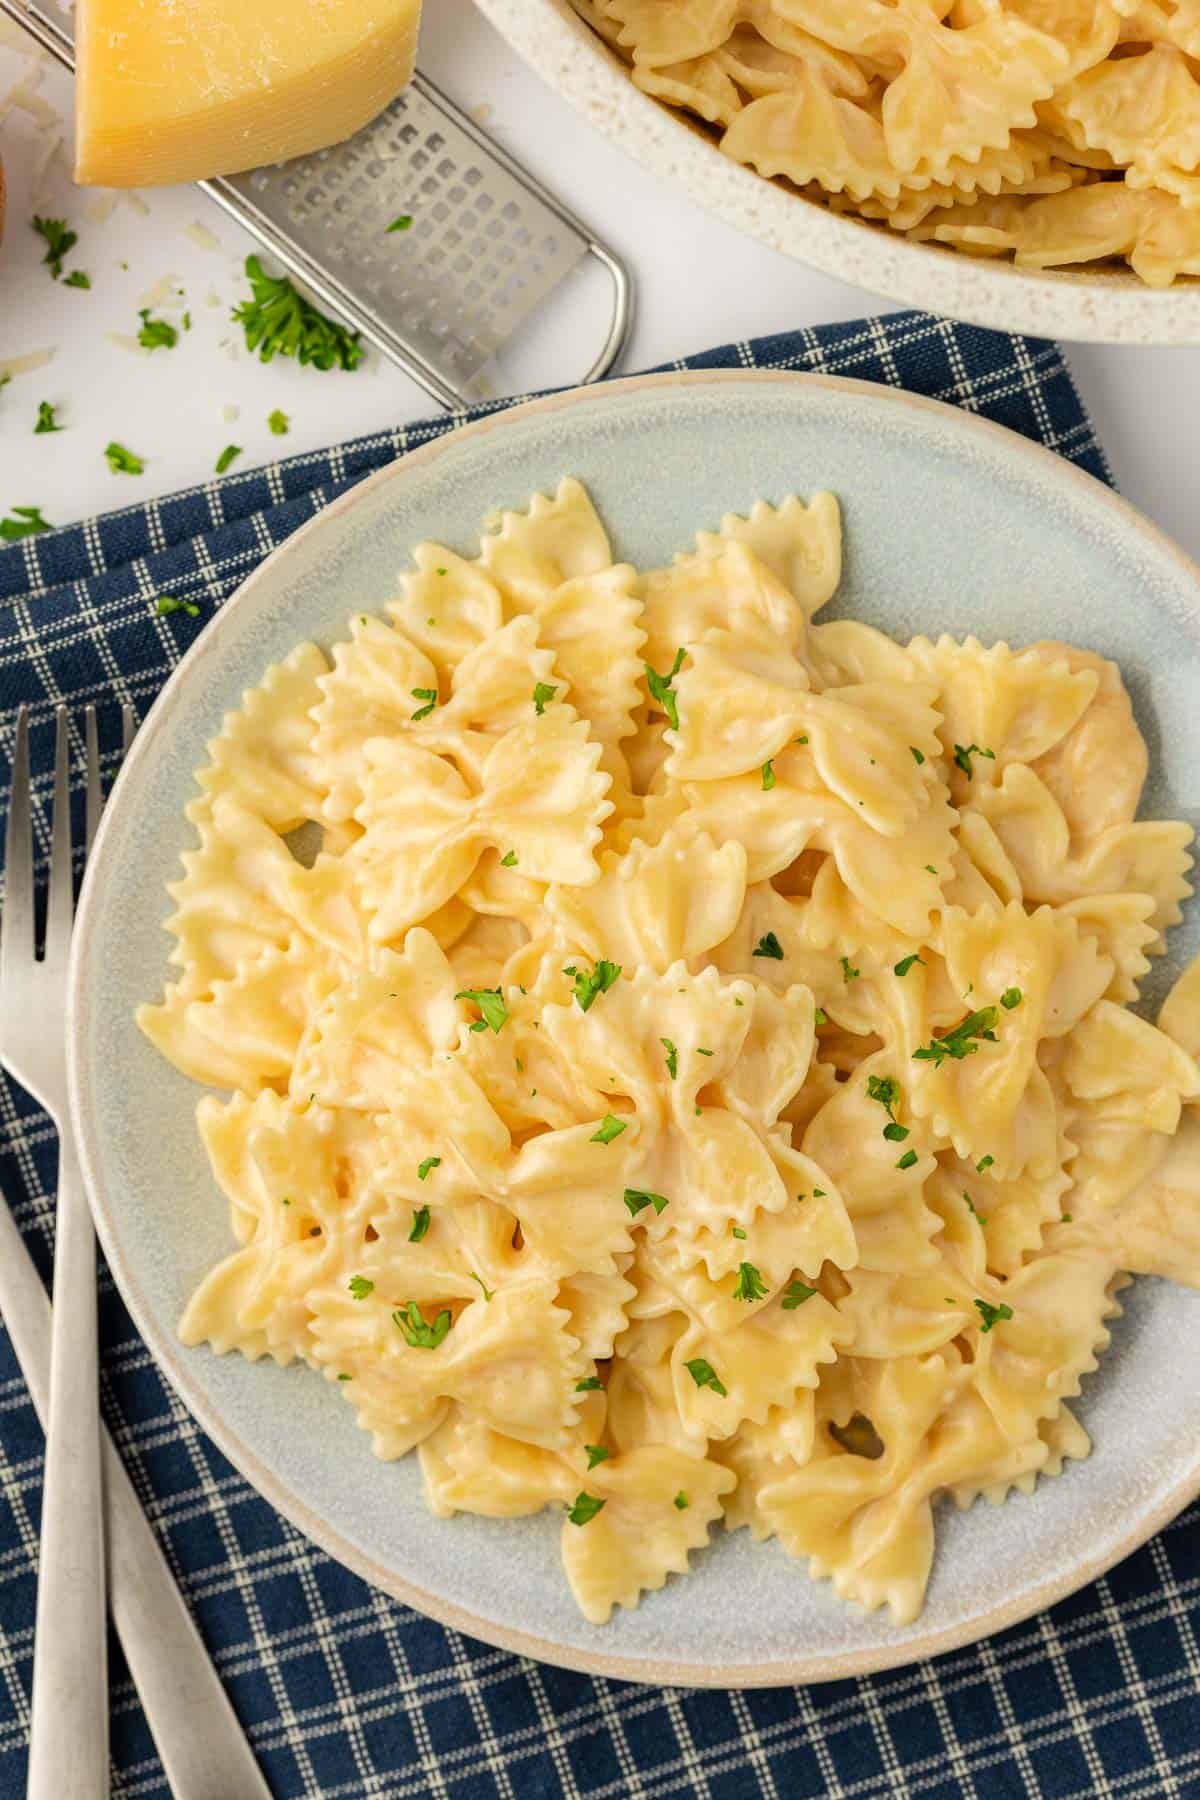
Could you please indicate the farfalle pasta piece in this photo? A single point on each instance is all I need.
(372, 1029)
(1035, 1355)
(657, 1506)
(1016, 707)
(1097, 771)
(246, 1030)
(447, 607)
(1179, 1015)
(554, 540)
(469, 1467)
(723, 1378)
(717, 588)
(648, 907)
(1133, 1068)
(1144, 111)
(1148, 857)
(264, 755)
(799, 541)
(1029, 976)
(541, 800)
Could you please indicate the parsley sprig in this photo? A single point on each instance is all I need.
(122, 461)
(885, 1092)
(45, 419)
(749, 1284)
(705, 1376)
(279, 321)
(25, 521)
(59, 240)
(768, 945)
(490, 1002)
(587, 987)
(637, 1199)
(962, 1040)
(418, 1334)
(661, 689)
(586, 1507)
(795, 1294)
(964, 752)
(990, 1315)
(156, 334)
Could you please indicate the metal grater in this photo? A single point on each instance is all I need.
(488, 243)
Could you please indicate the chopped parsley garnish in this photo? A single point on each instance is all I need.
(278, 321)
(769, 945)
(487, 1291)
(598, 982)
(597, 1453)
(984, 1164)
(420, 1223)
(701, 1051)
(637, 1199)
(610, 1127)
(992, 1315)
(360, 1287)
(423, 1168)
(905, 964)
(588, 1385)
(672, 1057)
(818, 1193)
(509, 860)
(964, 752)
(490, 1002)
(1066, 1218)
(59, 240)
(45, 419)
(749, 1284)
(417, 1333)
(961, 1041)
(895, 1133)
(849, 973)
(738, 1232)
(930, 869)
(543, 693)
(884, 1090)
(156, 334)
(345, 1378)
(585, 1508)
(1011, 998)
(982, 1217)
(228, 456)
(187, 321)
(278, 423)
(918, 755)
(705, 1376)
(402, 223)
(795, 1294)
(429, 696)
(907, 1160)
(77, 279)
(122, 461)
(768, 776)
(662, 691)
(820, 1016)
(681, 1501)
(167, 604)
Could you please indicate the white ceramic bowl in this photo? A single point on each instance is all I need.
(1111, 307)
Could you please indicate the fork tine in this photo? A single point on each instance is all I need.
(95, 793)
(16, 939)
(60, 906)
(127, 728)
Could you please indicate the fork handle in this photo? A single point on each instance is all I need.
(196, 1732)
(68, 1751)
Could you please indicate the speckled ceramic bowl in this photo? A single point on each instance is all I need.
(951, 523)
(1110, 307)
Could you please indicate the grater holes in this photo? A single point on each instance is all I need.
(473, 177)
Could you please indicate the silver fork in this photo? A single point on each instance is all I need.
(68, 1753)
(203, 1749)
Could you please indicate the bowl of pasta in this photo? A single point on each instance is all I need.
(1024, 164)
(675, 1028)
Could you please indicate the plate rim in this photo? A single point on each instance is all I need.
(1115, 308)
(173, 1360)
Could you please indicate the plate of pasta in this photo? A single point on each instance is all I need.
(676, 1029)
(1025, 164)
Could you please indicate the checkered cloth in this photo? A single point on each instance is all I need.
(344, 1692)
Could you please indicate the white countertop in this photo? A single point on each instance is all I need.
(699, 283)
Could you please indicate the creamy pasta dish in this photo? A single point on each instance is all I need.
(1057, 131)
(676, 1057)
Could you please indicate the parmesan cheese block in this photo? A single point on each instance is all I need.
(179, 90)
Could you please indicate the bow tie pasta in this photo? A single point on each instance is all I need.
(674, 1056)
(1054, 131)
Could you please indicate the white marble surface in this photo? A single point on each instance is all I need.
(699, 283)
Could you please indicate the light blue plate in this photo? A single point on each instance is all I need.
(952, 525)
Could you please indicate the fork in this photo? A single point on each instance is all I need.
(203, 1749)
(68, 1755)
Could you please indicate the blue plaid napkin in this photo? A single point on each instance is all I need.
(346, 1693)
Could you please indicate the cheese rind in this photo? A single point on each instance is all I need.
(182, 90)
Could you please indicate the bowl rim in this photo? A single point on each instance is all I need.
(170, 1356)
(1116, 308)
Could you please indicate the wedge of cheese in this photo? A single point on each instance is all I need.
(179, 90)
